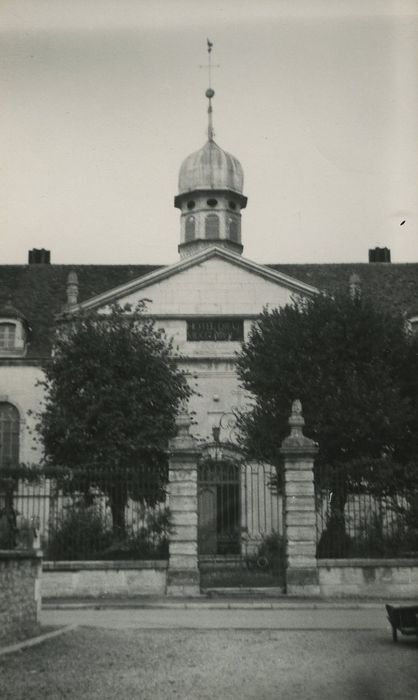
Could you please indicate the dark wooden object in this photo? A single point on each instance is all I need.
(403, 618)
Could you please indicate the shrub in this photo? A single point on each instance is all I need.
(82, 534)
(79, 534)
(272, 551)
(150, 541)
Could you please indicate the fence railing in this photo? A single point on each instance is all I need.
(87, 515)
(358, 516)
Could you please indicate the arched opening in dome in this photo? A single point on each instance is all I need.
(190, 228)
(212, 226)
(233, 229)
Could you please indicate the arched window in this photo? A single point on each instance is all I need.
(7, 336)
(233, 227)
(9, 435)
(190, 228)
(212, 226)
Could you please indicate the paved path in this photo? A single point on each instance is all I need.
(373, 618)
(92, 663)
(201, 650)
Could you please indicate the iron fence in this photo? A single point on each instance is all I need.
(359, 516)
(87, 515)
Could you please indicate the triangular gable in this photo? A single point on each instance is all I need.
(214, 280)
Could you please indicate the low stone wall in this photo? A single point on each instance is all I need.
(103, 578)
(374, 578)
(20, 596)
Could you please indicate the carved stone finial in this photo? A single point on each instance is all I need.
(296, 420)
(297, 441)
(183, 424)
(72, 288)
(183, 441)
(354, 285)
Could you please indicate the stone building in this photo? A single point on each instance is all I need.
(206, 301)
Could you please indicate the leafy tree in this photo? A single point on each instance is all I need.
(354, 368)
(112, 390)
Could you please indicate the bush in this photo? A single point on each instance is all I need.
(150, 541)
(272, 551)
(79, 534)
(374, 540)
(83, 534)
(7, 530)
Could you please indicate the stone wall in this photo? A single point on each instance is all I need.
(20, 595)
(103, 578)
(374, 578)
(215, 286)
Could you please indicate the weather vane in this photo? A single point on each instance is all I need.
(210, 92)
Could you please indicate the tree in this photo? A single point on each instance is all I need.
(112, 390)
(353, 367)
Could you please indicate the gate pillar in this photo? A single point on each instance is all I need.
(183, 570)
(299, 508)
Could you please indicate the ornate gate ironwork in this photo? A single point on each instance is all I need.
(240, 522)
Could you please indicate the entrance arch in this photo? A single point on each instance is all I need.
(240, 520)
(219, 501)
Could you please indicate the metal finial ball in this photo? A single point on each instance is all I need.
(209, 93)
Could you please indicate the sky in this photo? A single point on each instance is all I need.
(103, 99)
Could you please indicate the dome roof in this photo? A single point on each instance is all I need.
(211, 168)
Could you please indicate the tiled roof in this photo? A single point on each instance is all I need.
(394, 285)
(39, 291)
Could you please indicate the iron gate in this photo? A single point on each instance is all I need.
(240, 524)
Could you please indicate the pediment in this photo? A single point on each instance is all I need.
(214, 281)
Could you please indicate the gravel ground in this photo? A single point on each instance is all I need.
(104, 664)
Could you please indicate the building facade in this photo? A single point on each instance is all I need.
(206, 302)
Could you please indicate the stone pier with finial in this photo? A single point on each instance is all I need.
(183, 569)
(299, 508)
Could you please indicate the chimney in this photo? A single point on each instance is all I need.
(379, 255)
(39, 256)
(72, 288)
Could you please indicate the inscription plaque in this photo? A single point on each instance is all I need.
(217, 329)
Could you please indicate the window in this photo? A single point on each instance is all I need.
(212, 202)
(218, 329)
(7, 336)
(212, 226)
(9, 435)
(191, 204)
(190, 228)
(233, 230)
(13, 335)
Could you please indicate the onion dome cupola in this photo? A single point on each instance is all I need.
(210, 195)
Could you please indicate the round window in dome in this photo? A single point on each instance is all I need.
(191, 204)
(232, 205)
(212, 202)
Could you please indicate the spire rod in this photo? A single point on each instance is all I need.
(210, 92)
